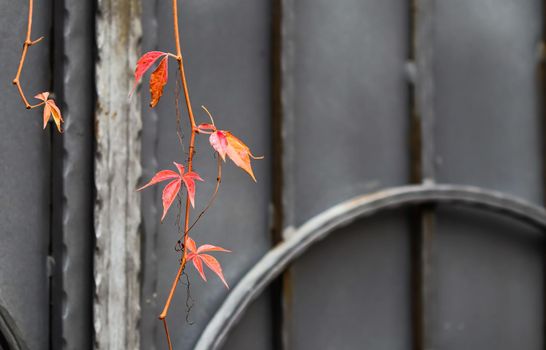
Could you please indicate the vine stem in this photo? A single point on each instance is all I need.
(28, 43)
(194, 131)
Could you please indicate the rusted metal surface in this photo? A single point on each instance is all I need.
(117, 170)
(274, 262)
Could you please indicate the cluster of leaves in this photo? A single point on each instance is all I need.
(222, 141)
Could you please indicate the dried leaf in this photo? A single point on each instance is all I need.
(144, 63)
(158, 80)
(56, 113)
(42, 96)
(50, 110)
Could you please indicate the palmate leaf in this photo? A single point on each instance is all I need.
(197, 257)
(173, 188)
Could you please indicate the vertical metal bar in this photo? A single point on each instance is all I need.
(277, 162)
(424, 93)
(72, 195)
(287, 55)
(542, 89)
(422, 112)
(149, 326)
(282, 145)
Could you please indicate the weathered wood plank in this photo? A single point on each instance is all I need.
(117, 170)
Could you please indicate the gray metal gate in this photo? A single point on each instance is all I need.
(399, 205)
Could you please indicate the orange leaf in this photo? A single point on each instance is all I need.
(42, 96)
(56, 113)
(50, 110)
(239, 153)
(144, 63)
(47, 114)
(158, 80)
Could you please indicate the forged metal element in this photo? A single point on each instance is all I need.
(424, 88)
(423, 51)
(274, 262)
(150, 212)
(117, 170)
(288, 52)
(10, 335)
(72, 238)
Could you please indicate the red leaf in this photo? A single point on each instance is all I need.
(206, 127)
(189, 182)
(191, 245)
(199, 266)
(219, 142)
(158, 80)
(211, 248)
(198, 258)
(171, 190)
(169, 194)
(161, 176)
(144, 63)
(214, 265)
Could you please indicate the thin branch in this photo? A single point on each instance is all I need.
(28, 43)
(165, 311)
(167, 334)
(214, 194)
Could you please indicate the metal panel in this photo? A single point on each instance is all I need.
(490, 288)
(490, 282)
(25, 172)
(339, 216)
(349, 115)
(350, 101)
(226, 49)
(255, 331)
(353, 289)
(488, 127)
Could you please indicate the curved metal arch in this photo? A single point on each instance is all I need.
(277, 259)
(10, 335)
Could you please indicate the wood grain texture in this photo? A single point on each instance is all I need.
(117, 170)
